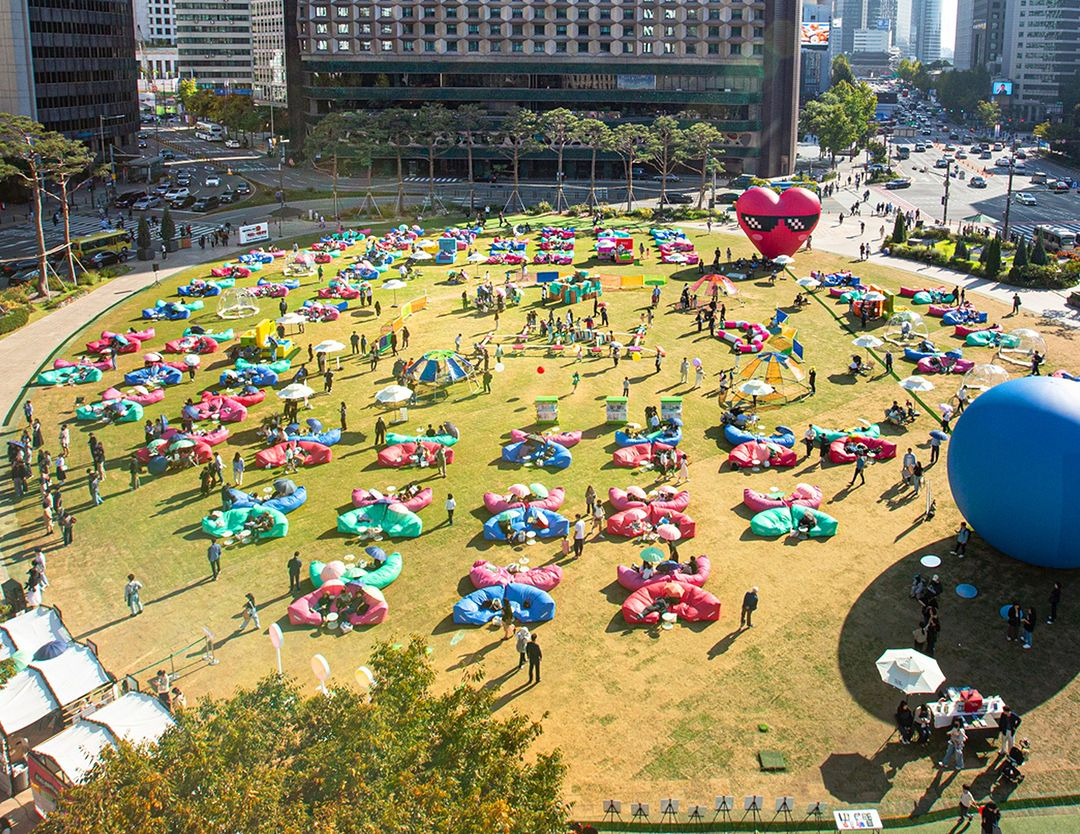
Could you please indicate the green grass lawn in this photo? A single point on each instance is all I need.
(636, 712)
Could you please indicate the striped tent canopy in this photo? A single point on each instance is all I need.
(780, 371)
(440, 367)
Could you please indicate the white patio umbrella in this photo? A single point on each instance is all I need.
(867, 341)
(330, 346)
(394, 394)
(294, 319)
(917, 383)
(296, 391)
(394, 284)
(420, 255)
(874, 296)
(783, 260)
(910, 671)
(809, 283)
(755, 388)
(476, 258)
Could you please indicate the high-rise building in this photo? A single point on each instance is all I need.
(815, 59)
(736, 63)
(927, 14)
(71, 66)
(268, 51)
(856, 15)
(213, 41)
(964, 42)
(1042, 55)
(902, 25)
(155, 50)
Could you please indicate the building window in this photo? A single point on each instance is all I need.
(759, 32)
(387, 46)
(560, 31)
(517, 29)
(321, 45)
(646, 14)
(342, 11)
(759, 49)
(429, 46)
(474, 46)
(714, 31)
(669, 49)
(474, 28)
(646, 31)
(386, 29)
(517, 46)
(365, 12)
(646, 48)
(714, 49)
(451, 46)
(494, 29)
(407, 11)
(429, 28)
(669, 14)
(407, 46)
(560, 14)
(560, 47)
(320, 11)
(605, 46)
(605, 31)
(322, 28)
(736, 14)
(343, 28)
(386, 12)
(736, 31)
(495, 46)
(342, 46)
(538, 47)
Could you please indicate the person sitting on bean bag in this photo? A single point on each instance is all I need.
(692, 568)
(659, 607)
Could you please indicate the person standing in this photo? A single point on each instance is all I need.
(534, 655)
(684, 370)
(888, 362)
(598, 518)
(954, 751)
(28, 410)
(132, 593)
(67, 526)
(932, 630)
(521, 643)
(451, 505)
(487, 382)
(238, 469)
(354, 342)
(440, 459)
(93, 483)
(1008, 723)
(590, 498)
(916, 477)
(811, 378)
(749, 606)
(1016, 303)
(65, 439)
(294, 565)
(626, 386)
(907, 465)
(328, 381)
(860, 467)
(935, 448)
(250, 613)
(218, 468)
(380, 431)
(1027, 623)
(963, 535)
(1013, 617)
(967, 805)
(699, 376)
(990, 818)
(684, 470)
(579, 536)
(808, 440)
(343, 413)
(1055, 600)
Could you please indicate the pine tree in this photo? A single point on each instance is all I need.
(1020, 259)
(992, 265)
(961, 251)
(142, 234)
(167, 228)
(1038, 252)
(899, 230)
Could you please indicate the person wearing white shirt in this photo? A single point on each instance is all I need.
(451, 505)
(579, 536)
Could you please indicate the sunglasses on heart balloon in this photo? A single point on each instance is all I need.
(767, 222)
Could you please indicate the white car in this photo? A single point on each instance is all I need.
(232, 143)
(147, 202)
(212, 180)
(1026, 199)
(177, 194)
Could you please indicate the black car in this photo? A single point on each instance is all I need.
(167, 154)
(243, 189)
(9, 268)
(228, 197)
(678, 198)
(106, 257)
(127, 200)
(183, 202)
(206, 203)
(893, 185)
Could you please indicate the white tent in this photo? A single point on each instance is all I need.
(25, 700)
(30, 630)
(72, 674)
(136, 717)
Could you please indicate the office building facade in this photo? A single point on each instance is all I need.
(1041, 56)
(927, 45)
(213, 42)
(736, 63)
(156, 52)
(71, 66)
(268, 52)
(964, 42)
(815, 60)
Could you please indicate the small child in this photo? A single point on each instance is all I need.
(967, 804)
(565, 546)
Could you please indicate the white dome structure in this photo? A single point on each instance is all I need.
(905, 327)
(1020, 345)
(984, 376)
(236, 303)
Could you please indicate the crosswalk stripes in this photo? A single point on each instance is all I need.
(1028, 229)
(442, 180)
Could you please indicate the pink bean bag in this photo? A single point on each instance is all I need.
(309, 453)
(222, 409)
(203, 453)
(105, 364)
(633, 456)
(633, 522)
(939, 310)
(566, 438)
(140, 395)
(666, 498)
(192, 344)
(401, 454)
(230, 272)
(687, 602)
(100, 345)
(944, 365)
(484, 574)
(304, 611)
(495, 503)
(909, 292)
(248, 400)
(759, 453)
(338, 291)
(804, 495)
(968, 329)
(630, 579)
(363, 498)
(882, 449)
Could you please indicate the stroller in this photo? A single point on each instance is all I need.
(1010, 769)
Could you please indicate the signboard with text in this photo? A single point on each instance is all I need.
(254, 233)
(858, 820)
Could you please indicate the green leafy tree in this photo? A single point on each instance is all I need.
(989, 113)
(992, 264)
(826, 119)
(559, 128)
(1020, 257)
(167, 227)
(516, 137)
(186, 90)
(596, 136)
(1038, 252)
(960, 253)
(21, 139)
(704, 147)
(635, 145)
(392, 127)
(142, 235)
(274, 760)
(841, 71)
(670, 142)
(960, 91)
(66, 165)
(899, 229)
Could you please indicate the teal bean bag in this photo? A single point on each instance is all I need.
(377, 577)
(395, 523)
(192, 306)
(234, 520)
(394, 439)
(780, 521)
(72, 375)
(991, 338)
(223, 336)
(115, 411)
(835, 434)
(278, 367)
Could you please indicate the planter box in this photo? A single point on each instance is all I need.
(172, 245)
(145, 254)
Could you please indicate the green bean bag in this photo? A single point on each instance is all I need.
(393, 439)
(835, 434)
(379, 577)
(233, 521)
(393, 519)
(72, 375)
(780, 521)
(991, 338)
(278, 367)
(133, 412)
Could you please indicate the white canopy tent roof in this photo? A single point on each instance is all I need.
(136, 717)
(30, 630)
(25, 700)
(48, 685)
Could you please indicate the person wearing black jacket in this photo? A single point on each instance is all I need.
(1008, 722)
(905, 722)
(990, 818)
(533, 653)
(1055, 600)
(1014, 616)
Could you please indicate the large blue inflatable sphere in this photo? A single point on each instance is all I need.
(1014, 469)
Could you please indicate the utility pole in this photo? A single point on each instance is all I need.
(1008, 194)
(337, 214)
(945, 199)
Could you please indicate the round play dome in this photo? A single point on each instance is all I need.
(985, 376)
(1023, 506)
(1020, 345)
(236, 303)
(905, 327)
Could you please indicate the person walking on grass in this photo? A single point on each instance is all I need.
(1027, 625)
(294, 565)
(132, 593)
(684, 371)
(860, 467)
(954, 750)
(521, 643)
(683, 476)
(451, 505)
(213, 556)
(440, 459)
(749, 606)
(250, 612)
(575, 380)
(534, 655)
(598, 518)
(343, 413)
(93, 483)
(963, 536)
(380, 431)
(238, 469)
(626, 386)
(135, 469)
(579, 536)
(968, 807)
(1055, 600)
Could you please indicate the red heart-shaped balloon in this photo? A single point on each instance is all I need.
(777, 224)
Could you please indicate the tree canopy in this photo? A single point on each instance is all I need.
(842, 117)
(273, 759)
(841, 71)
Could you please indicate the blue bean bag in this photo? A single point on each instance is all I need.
(529, 604)
(203, 290)
(284, 504)
(341, 306)
(954, 317)
(783, 436)
(223, 336)
(326, 438)
(155, 375)
(550, 455)
(914, 355)
(547, 524)
(170, 311)
(257, 375)
(668, 436)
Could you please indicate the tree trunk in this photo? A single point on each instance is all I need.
(592, 180)
(43, 261)
(629, 184)
(67, 232)
(663, 178)
(431, 177)
(400, 185)
(559, 178)
(517, 171)
(472, 187)
(701, 189)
